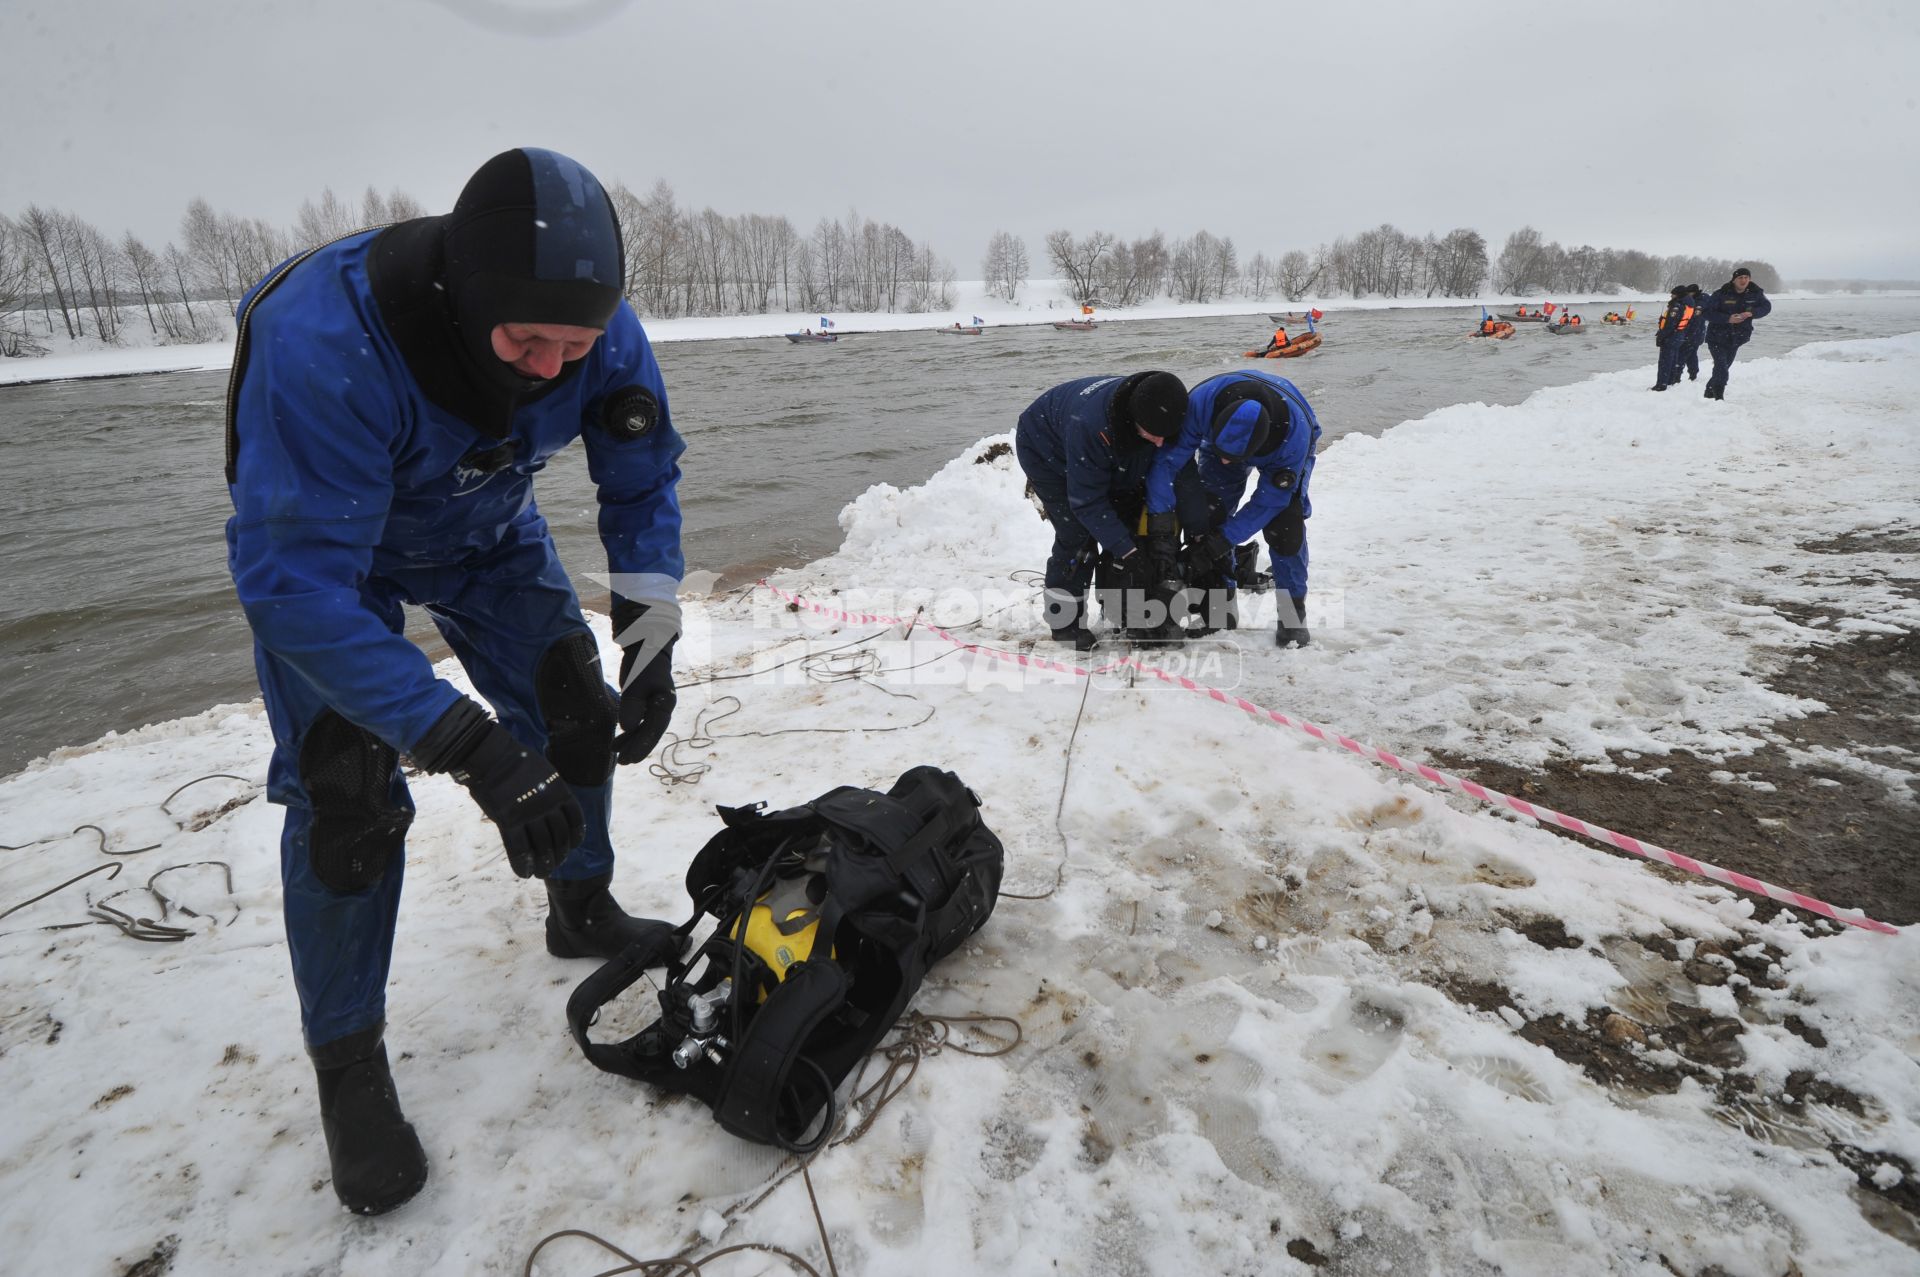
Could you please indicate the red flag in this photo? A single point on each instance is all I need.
(1547, 309)
(1317, 314)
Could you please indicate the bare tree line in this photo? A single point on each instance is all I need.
(686, 262)
(1528, 266)
(85, 284)
(1204, 267)
(681, 262)
(59, 273)
(1382, 262)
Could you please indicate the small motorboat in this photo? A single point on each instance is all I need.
(1525, 319)
(803, 337)
(958, 331)
(1557, 329)
(1074, 325)
(1292, 350)
(1501, 331)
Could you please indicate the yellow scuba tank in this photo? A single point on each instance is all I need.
(783, 924)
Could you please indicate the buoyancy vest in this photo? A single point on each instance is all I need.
(848, 900)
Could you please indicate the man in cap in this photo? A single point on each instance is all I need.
(1086, 446)
(1730, 313)
(393, 394)
(1240, 425)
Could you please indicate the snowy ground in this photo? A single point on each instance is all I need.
(1285, 1013)
(1041, 302)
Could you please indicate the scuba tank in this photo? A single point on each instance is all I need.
(828, 917)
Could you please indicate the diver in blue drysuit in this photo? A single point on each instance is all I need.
(1239, 423)
(1086, 446)
(393, 394)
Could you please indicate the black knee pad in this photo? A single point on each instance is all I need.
(357, 827)
(579, 711)
(1286, 532)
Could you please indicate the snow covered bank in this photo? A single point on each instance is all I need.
(1041, 302)
(1284, 1010)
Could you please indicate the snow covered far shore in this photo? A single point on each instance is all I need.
(1042, 302)
(1285, 1013)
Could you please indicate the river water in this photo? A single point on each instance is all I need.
(118, 610)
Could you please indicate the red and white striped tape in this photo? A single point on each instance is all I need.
(1492, 797)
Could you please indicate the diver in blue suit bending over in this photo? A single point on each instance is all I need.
(1237, 425)
(393, 394)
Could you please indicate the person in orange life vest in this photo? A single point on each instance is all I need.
(1690, 346)
(1278, 341)
(1486, 326)
(1522, 312)
(1670, 334)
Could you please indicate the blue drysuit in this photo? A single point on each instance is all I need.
(1724, 339)
(1079, 463)
(1208, 493)
(353, 494)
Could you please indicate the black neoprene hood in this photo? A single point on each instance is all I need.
(531, 240)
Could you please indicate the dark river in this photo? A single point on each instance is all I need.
(118, 610)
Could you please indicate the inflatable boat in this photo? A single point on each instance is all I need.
(1298, 346)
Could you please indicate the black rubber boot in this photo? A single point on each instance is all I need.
(1292, 629)
(1079, 635)
(378, 1163)
(1067, 619)
(584, 921)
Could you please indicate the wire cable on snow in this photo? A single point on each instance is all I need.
(1060, 805)
(833, 665)
(922, 1035)
(101, 913)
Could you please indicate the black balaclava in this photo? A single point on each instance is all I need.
(532, 240)
(1153, 401)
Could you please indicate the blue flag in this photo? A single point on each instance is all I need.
(825, 322)
(977, 321)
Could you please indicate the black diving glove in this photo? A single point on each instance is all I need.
(646, 633)
(1163, 545)
(1134, 570)
(538, 817)
(1212, 554)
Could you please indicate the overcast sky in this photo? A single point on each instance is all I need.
(1783, 131)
